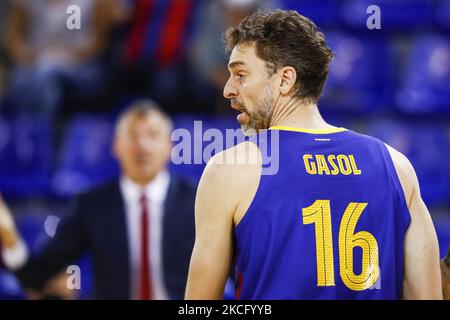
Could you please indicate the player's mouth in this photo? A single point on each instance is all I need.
(242, 116)
(237, 107)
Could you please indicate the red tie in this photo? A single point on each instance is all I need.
(145, 291)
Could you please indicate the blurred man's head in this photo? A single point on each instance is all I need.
(233, 11)
(273, 55)
(142, 141)
(445, 271)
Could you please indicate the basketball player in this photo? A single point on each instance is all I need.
(342, 219)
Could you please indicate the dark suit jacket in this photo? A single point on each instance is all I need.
(97, 224)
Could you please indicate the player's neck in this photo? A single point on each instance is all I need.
(296, 113)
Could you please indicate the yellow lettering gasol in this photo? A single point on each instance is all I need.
(320, 164)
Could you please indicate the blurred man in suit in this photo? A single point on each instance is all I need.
(138, 229)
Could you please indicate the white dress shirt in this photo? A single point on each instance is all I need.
(155, 193)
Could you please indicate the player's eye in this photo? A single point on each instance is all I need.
(240, 76)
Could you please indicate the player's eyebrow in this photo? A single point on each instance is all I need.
(234, 64)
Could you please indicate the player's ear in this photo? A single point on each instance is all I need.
(288, 80)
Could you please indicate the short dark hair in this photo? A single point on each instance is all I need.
(142, 108)
(286, 38)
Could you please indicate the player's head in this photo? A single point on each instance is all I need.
(276, 56)
(142, 141)
(445, 272)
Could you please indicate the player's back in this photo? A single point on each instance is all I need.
(329, 225)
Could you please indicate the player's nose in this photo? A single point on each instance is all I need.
(229, 91)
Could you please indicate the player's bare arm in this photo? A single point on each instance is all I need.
(225, 192)
(422, 277)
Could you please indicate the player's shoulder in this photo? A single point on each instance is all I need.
(235, 165)
(401, 162)
(229, 177)
(405, 171)
(363, 139)
(241, 156)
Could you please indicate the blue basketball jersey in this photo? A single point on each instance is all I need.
(329, 224)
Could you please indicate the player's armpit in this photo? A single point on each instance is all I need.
(422, 277)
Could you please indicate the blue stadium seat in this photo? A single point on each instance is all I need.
(86, 159)
(395, 14)
(182, 161)
(427, 147)
(191, 133)
(361, 73)
(25, 156)
(442, 14)
(323, 13)
(10, 287)
(426, 83)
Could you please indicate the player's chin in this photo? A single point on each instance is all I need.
(243, 118)
(249, 130)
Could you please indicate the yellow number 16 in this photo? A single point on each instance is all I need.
(319, 213)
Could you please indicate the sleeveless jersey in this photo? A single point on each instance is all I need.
(330, 223)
